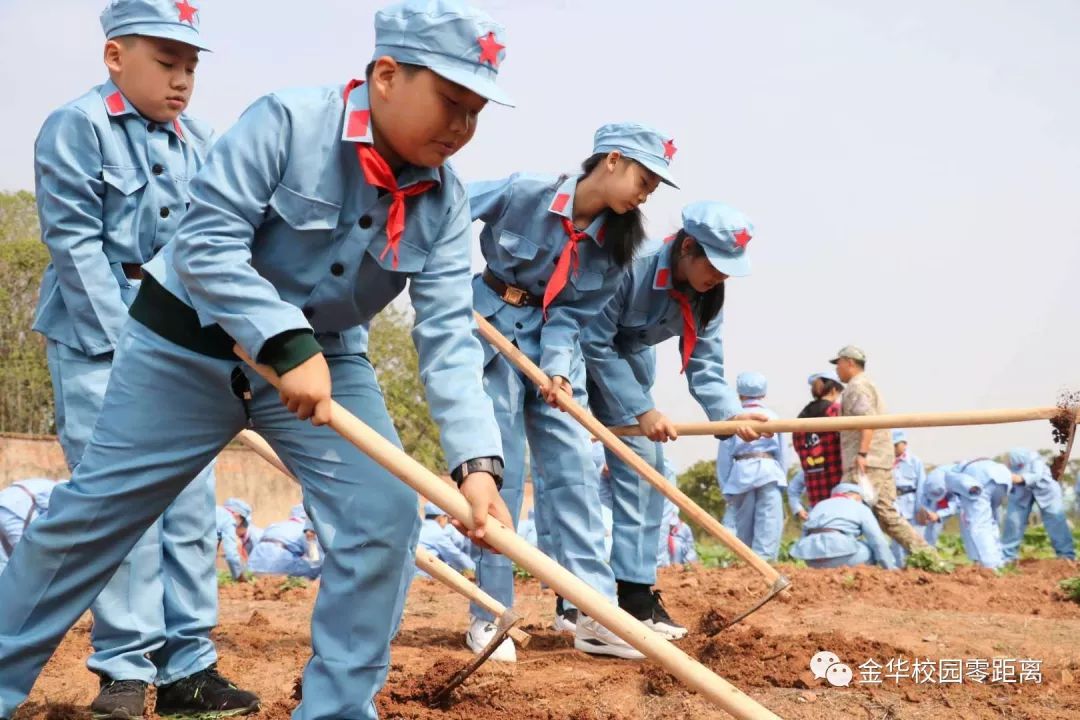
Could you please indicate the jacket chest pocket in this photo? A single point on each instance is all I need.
(586, 280)
(305, 214)
(517, 246)
(123, 193)
(411, 257)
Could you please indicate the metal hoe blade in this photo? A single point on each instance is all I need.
(779, 586)
(507, 621)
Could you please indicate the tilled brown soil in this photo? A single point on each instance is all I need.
(861, 615)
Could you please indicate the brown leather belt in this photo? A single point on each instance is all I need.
(132, 271)
(818, 531)
(509, 294)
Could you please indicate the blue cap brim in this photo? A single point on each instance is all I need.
(482, 86)
(166, 31)
(662, 171)
(650, 162)
(730, 266)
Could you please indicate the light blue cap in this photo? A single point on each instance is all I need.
(723, 232)
(751, 384)
(898, 436)
(1018, 458)
(638, 142)
(298, 512)
(825, 375)
(448, 37)
(239, 507)
(432, 510)
(934, 489)
(166, 19)
(841, 488)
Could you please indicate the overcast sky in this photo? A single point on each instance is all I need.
(913, 169)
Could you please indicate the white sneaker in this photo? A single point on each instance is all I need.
(481, 633)
(667, 630)
(566, 621)
(593, 638)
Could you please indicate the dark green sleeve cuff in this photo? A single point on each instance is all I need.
(291, 348)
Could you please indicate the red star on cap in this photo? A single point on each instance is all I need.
(489, 49)
(742, 238)
(187, 12)
(670, 149)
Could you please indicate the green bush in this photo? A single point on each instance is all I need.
(26, 399)
(1071, 588)
(699, 483)
(923, 560)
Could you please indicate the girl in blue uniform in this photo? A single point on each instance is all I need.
(556, 248)
(674, 290)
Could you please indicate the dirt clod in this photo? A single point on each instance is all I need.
(436, 678)
(658, 681)
(712, 622)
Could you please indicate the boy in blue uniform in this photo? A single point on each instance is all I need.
(842, 531)
(236, 535)
(676, 540)
(437, 537)
(288, 548)
(751, 475)
(1032, 484)
(21, 503)
(978, 487)
(297, 235)
(112, 171)
(910, 476)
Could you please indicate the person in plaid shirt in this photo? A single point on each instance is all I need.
(819, 453)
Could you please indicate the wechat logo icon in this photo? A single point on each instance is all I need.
(826, 665)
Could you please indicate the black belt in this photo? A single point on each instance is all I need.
(132, 271)
(754, 456)
(905, 491)
(168, 316)
(509, 294)
(818, 531)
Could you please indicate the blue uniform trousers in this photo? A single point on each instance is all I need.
(863, 556)
(757, 518)
(1053, 519)
(168, 413)
(561, 456)
(152, 621)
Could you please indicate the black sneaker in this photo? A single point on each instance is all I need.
(119, 699)
(565, 619)
(206, 694)
(646, 605)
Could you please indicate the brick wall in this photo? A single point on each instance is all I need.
(240, 473)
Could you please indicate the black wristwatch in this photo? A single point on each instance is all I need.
(492, 465)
